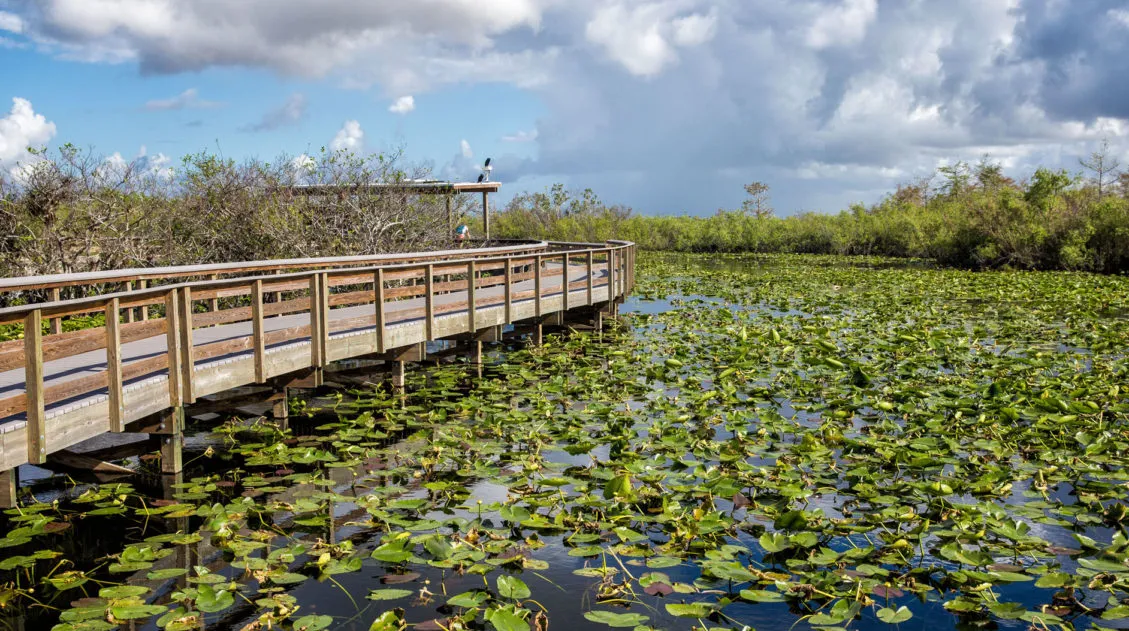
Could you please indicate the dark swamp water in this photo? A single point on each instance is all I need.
(772, 443)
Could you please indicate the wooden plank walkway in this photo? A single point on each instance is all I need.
(58, 390)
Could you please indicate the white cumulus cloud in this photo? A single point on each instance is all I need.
(350, 137)
(11, 22)
(20, 129)
(403, 105)
(844, 25)
(464, 148)
(644, 37)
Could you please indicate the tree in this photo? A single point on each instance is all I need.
(1103, 165)
(990, 174)
(758, 205)
(958, 178)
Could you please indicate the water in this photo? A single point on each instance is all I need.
(549, 430)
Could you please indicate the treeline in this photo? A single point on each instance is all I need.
(73, 211)
(968, 216)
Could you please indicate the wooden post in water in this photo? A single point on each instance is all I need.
(56, 323)
(114, 365)
(172, 441)
(33, 386)
(280, 407)
(9, 486)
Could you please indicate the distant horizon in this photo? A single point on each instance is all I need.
(668, 107)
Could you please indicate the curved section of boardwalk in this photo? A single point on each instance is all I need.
(165, 346)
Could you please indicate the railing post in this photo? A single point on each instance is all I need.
(56, 323)
(626, 271)
(176, 357)
(564, 282)
(114, 365)
(33, 386)
(316, 324)
(259, 342)
(129, 312)
(428, 302)
(214, 303)
(143, 284)
(509, 290)
(472, 307)
(378, 290)
(188, 379)
(588, 285)
(323, 307)
(537, 285)
(611, 274)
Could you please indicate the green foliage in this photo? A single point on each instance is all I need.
(974, 218)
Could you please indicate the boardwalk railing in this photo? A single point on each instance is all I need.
(207, 336)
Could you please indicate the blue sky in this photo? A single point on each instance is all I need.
(668, 106)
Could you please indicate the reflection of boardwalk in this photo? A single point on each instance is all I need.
(216, 335)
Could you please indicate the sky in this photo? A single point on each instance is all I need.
(666, 106)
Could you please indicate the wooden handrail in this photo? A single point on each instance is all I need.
(459, 273)
(156, 295)
(51, 281)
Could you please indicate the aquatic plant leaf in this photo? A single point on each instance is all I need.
(389, 594)
(617, 620)
(312, 623)
(689, 610)
(512, 587)
(894, 616)
(504, 619)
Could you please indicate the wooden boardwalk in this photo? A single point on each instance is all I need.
(184, 333)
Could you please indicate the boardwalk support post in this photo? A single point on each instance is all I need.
(171, 431)
(280, 407)
(9, 486)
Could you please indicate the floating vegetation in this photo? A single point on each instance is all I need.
(769, 442)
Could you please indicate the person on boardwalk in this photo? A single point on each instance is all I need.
(461, 234)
